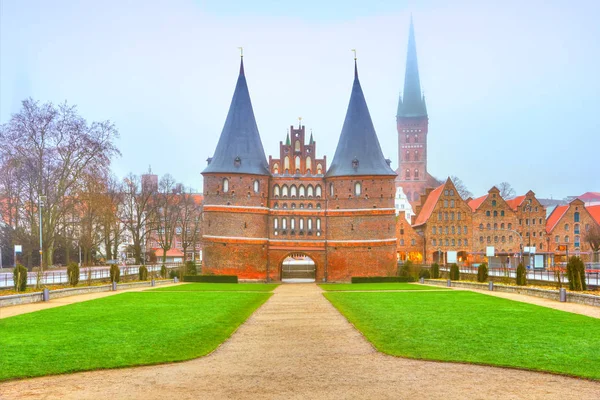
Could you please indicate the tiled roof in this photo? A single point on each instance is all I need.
(514, 203)
(170, 253)
(556, 215)
(358, 151)
(429, 205)
(594, 212)
(239, 150)
(590, 196)
(475, 203)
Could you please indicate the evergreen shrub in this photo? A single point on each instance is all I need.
(379, 279)
(73, 273)
(482, 272)
(115, 273)
(190, 268)
(163, 271)
(211, 278)
(143, 273)
(20, 278)
(576, 274)
(435, 271)
(521, 275)
(454, 272)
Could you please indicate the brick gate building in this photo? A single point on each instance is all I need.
(257, 213)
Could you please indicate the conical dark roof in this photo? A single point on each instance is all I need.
(413, 104)
(240, 150)
(358, 152)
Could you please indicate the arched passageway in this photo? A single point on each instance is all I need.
(297, 268)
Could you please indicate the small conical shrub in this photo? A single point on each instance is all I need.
(424, 273)
(435, 271)
(521, 275)
(115, 273)
(454, 272)
(482, 272)
(143, 273)
(190, 268)
(73, 273)
(576, 274)
(163, 271)
(20, 278)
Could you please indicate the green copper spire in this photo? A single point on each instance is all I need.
(412, 105)
(311, 141)
(287, 140)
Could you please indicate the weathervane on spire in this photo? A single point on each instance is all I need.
(354, 51)
(299, 122)
(241, 51)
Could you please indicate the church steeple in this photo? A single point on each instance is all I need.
(412, 103)
(358, 151)
(240, 150)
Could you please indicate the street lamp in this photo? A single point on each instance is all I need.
(41, 201)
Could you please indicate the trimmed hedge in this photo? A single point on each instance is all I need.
(521, 275)
(377, 279)
(211, 278)
(435, 271)
(482, 272)
(143, 273)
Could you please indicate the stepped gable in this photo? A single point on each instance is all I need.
(240, 150)
(358, 152)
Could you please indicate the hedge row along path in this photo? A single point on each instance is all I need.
(298, 346)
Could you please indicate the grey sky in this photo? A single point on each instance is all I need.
(513, 88)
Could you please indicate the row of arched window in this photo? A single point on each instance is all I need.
(415, 174)
(280, 226)
(488, 213)
(300, 206)
(225, 185)
(297, 191)
(567, 239)
(447, 230)
(449, 216)
(415, 154)
(496, 239)
(489, 226)
(449, 242)
(308, 166)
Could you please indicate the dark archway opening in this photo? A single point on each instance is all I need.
(298, 268)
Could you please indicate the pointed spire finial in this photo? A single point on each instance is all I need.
(355, 67)
(287, 139)
(241, 51)
(299, 122)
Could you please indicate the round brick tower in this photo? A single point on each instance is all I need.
(236, 186)
(360, 199)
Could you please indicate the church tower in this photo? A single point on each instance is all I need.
(412, 124)
(361, 218)
(236, 185)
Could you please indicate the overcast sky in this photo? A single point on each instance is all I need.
(513, 88)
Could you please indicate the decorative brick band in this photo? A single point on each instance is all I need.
(362, 243)
(234, 239)
(236, 209)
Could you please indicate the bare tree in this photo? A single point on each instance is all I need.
(592, 236)
(461, 188)
(54, 146)
(136, 212)
(189, 220)
(165, 215)
(506, 191)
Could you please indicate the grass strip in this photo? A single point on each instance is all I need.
(135, 328)
(475, 328)
(334, 287)
(219, 287)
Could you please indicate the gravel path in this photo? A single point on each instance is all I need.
(297, 346)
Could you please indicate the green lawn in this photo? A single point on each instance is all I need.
(335, 287)
(219, 287)
(475, 328)
(122, 330)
